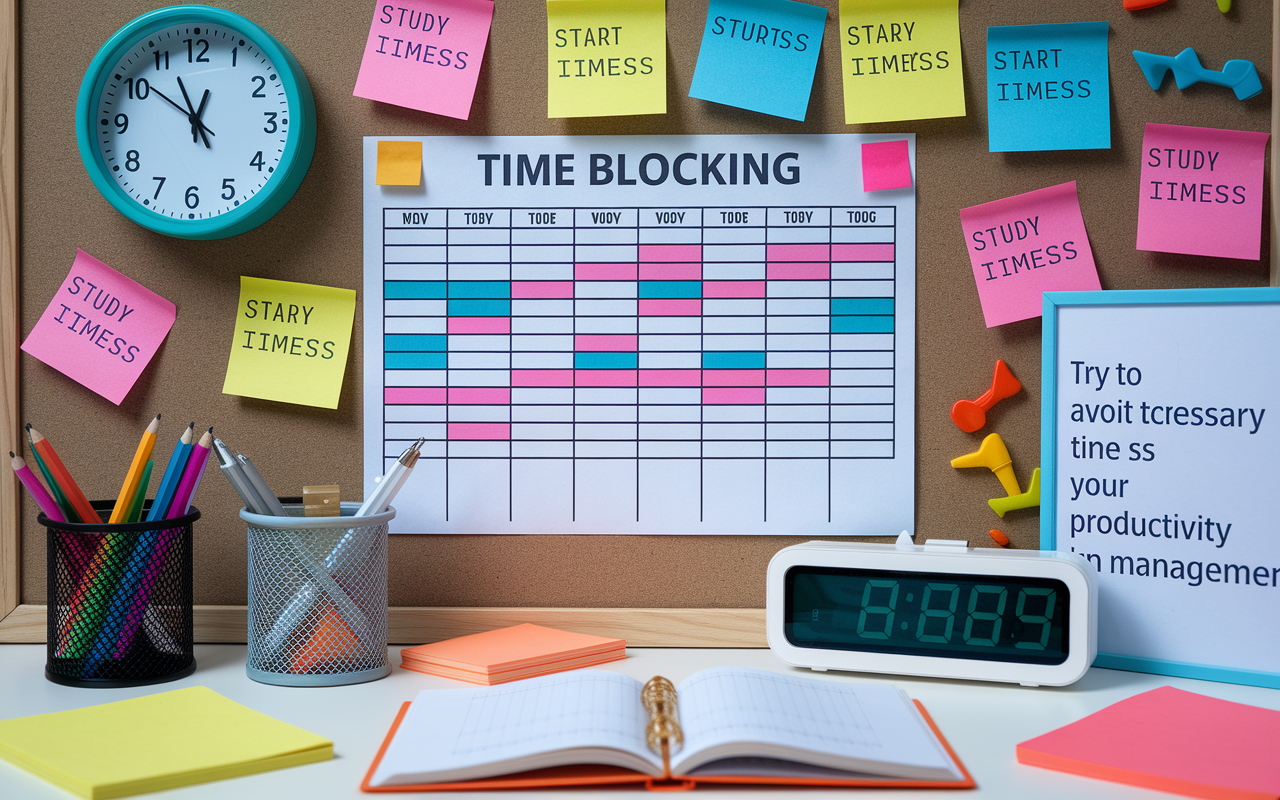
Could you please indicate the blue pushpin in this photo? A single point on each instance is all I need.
(1238, 75)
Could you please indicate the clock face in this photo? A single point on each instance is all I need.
(192, 120)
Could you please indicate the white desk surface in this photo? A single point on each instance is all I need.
(983, 722)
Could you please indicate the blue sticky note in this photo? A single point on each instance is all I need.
(1047, 87)
(759, 55)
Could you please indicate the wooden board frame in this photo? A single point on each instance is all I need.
(669, 627)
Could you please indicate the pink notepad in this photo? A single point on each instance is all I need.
(1170, 740)
(507, 654)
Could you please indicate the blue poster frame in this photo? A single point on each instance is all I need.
(1053, 303)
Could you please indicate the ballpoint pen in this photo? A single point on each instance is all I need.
(380, 499)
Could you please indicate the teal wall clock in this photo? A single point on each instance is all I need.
(195, 122)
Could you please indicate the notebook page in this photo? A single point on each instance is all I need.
(847, 725)
(448, 734)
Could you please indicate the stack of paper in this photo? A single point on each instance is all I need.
(157, 742)
(509, 654)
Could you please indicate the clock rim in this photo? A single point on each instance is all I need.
(294, 161)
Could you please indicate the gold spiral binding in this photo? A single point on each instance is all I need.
(663, 733)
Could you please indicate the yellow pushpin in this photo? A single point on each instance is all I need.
(1224, 6)
(1028, 499)
(995, 456)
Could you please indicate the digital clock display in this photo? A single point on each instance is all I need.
(980, 617)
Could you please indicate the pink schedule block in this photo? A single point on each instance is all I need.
(1201, 191)
(733, 289)
(480, 395)
(885, 165)
(1025, 245)
(671, 272)
(541, 377)
(101, 329)
(732, 396)
(479, 324)
(733, 377)
(679, 307)
(540, 290)
(414, 395)
(604, 377)
(671, 252)
(605, 272)
(606, 342)
(425, 54)
(670, 377)
(798, 271)
(485, 431)
(798, 252)
(862, 252)
(799, 377)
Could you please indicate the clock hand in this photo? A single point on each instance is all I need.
(200, 120)
(167, 100)
(197, 126)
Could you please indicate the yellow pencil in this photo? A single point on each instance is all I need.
(134, 477)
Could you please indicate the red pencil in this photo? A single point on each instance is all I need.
(60, 474)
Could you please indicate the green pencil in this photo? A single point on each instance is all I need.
(135, 508)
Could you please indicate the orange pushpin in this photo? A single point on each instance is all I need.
(970, 415)
(993, 455)
(1138, 5)
(999, 538)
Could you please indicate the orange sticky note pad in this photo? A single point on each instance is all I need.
(1173, 741)
(507, 654)
(399, 164)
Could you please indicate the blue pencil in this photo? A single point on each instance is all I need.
(172, 474)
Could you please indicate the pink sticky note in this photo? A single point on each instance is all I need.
(1025, 245)
(1170, 740)
(101, 329)
(885, 165)
(425, 54)
(1201, 191)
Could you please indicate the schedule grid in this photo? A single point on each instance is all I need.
(583, 337)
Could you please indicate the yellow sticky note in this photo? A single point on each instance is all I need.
(606, 58)
(399, 164)
(156, 742)
(901, 60)
(291, 342)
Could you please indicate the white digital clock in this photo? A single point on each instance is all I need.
(941, 609)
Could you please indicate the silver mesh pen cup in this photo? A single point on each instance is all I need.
(317, 597)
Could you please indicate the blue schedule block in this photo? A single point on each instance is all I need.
(1047, 87)
(759, 55)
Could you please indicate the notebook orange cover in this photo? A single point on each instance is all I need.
(1173, 741)
(519, 651)
(601, 775)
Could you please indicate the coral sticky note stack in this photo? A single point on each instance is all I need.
(508, 654)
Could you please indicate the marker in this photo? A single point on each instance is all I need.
(380, 500)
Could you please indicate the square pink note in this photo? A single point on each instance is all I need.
(1025, 245)
(101, 329)
(1201, 191)
(885, 165)
(425, 54)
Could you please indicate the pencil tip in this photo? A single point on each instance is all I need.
(28, 426)
(11, 455)
(192, 426)
(210, 429)
(157, 416)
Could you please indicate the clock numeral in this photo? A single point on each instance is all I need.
(271, 121)
(191, 198)
(200, 57)
(233, 55)
(256, 161)
(131, 162)
(166, 59)
(1050, 597)
(122, 122)
(229, 189)
(927, 613)
(159, 186)
(262, 84)
(994, 616)
(139, 88)
(868, 609)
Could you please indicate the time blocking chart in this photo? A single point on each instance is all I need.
(658, 334)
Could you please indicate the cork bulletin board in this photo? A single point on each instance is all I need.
(674, 591)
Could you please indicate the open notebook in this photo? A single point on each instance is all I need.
(738, 725)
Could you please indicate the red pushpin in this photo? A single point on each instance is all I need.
(1138, 5)
(998, 537)
(970, 415)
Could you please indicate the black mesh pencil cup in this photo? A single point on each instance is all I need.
(317, 597)
(119, 601)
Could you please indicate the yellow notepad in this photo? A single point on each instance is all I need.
(157, 742)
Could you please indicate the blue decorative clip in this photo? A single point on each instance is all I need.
(1238, 75)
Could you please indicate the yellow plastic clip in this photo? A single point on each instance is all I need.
(1028, 499)
(993, 455)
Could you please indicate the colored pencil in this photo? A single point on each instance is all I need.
(172, 475)
(148, 558)
(129, 489)
(68, 513)
(135, 508)
(47, 504)
(62, 477)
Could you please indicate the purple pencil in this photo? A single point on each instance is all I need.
(38, 492)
